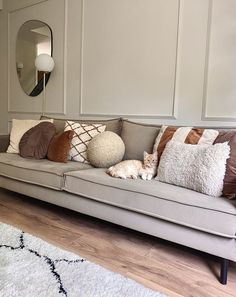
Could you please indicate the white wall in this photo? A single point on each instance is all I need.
(160, 61)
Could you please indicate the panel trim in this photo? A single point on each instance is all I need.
(81, 58)
(174, 111)
(65, 56)
(8, 62)
(35, 112)
(26, 6)
(204, 116)
(64, 104)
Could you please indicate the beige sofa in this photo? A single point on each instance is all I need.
(170, 212)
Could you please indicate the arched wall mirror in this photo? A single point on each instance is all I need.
(34, 38)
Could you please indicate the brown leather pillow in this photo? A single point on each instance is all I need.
(229, 188)
(34, 143)
(59, 147)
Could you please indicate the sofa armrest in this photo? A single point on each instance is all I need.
(4, 142)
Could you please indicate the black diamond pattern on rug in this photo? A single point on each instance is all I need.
(51, 263)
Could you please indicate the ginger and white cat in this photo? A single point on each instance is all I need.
(134, 168)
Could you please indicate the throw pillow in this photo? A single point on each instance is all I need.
(19, 127)
(34, 143)
(229, 188)
(60, 146)
(188, 135)
(197, 167)
(105, 149)
(83, 134)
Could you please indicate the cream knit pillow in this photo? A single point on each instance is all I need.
(197, 167)
(19, 127)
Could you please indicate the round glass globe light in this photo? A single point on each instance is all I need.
(44, 62)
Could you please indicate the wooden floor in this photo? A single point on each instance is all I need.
(160, 265)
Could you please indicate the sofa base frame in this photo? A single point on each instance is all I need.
(224, 248)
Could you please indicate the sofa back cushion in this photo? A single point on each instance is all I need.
(113, 125)
(138, 138)
(4, 143)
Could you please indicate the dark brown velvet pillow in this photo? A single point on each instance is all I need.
(229, 188)
(34, 143)
(59, 147)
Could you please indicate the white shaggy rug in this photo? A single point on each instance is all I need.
(30, 267)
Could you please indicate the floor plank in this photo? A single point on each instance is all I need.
(163, 266)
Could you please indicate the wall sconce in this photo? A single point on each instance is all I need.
(44, 63)
(19, 67)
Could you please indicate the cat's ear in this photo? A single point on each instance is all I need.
(155, 155)
(145, 154)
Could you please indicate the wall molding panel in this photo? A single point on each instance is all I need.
(168, 62)
(206, 66)
(18, 101)
(100, 101)
(219, 90)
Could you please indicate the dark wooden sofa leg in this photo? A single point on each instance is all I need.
(224, 271)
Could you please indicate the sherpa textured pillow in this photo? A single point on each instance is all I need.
(197, 167)
(188, 135)
(83, 134)
(18, 129)
(34, 143)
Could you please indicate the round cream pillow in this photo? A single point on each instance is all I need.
(105, 149)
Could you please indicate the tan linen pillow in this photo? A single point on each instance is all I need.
(19, 127)
(188, 135)
(34, 143)
(83, 134)
(60, 146)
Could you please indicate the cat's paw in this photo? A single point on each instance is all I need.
(144, 176)
(134, 176)
(149, 176)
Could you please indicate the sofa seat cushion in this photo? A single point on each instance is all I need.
(215, 215)
(40, 172)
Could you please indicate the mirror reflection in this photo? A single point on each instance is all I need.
(34, 38)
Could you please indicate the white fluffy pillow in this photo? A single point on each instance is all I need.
(197, 167)
(18, 129)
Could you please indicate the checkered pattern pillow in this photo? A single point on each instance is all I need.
(83, 134)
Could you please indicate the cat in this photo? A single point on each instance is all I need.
(135, 168)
